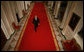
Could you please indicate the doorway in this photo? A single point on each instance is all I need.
(80, 33)
(17, 17)
(62, 10)
(53, 6)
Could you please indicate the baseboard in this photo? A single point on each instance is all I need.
(12, 34)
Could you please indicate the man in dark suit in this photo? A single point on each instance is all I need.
(36, 22)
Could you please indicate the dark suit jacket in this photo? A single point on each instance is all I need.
(35, 22)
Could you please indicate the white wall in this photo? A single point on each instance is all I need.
(77, 8)
(79, 11)
(66, 14)
(19, 8)
(5, 25)
(12, 5)
(8, 15)
(4, 29)
(27, 2)
(79, 40)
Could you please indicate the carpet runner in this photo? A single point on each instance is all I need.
(42, 40)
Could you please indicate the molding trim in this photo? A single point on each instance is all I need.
(52, 30)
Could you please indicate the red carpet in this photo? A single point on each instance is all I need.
(42, 40)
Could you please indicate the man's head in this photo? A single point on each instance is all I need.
(35, 17)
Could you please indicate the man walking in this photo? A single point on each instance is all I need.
(36, 22)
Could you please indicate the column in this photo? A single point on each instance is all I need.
(12, 6)
(55, 10)
(8, 15)
(57, 6)
(4, 29)
(5, 25)
(27, 2)
(22, 5)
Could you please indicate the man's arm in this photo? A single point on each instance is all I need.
(38, 20)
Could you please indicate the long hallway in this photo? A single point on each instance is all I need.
(52, 34)
(42, 40)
